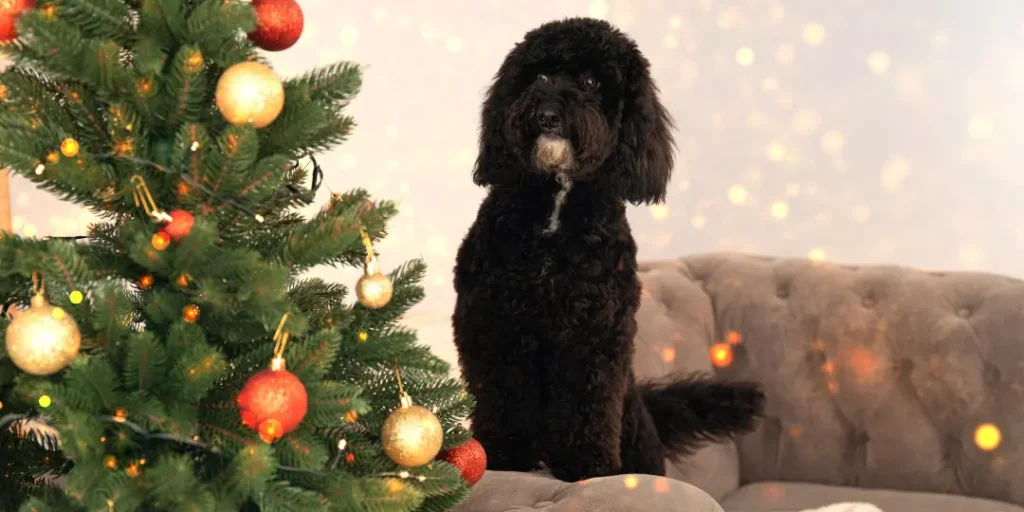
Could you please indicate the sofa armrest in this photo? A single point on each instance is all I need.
(675, 328)
(501, 491)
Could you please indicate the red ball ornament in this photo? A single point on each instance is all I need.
(273, 402)
(280, 24)
(180, 225)
(9, 12)
(470, 458)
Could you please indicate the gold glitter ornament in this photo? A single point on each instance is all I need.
(250, 93)
(43, 339)
(411, 435)
(374, 289)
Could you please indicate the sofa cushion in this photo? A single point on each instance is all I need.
(504, 491)
(787, 497)
(877, 377)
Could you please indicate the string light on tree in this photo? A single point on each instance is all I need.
(160, 240)
(411, 435)
(69, 147)
(43, 339)
(146, 282)
(273, 402)
(190, 313)
(280, 24)
(374, 289)
(250, 93)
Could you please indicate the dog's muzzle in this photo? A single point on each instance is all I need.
(553, 153)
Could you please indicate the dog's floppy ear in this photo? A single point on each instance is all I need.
(495, 154)
(487, 170)
(646, 151)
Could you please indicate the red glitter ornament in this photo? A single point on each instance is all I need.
(470, 458)
(273, 402)
(9, 12)
(280, 24)
(180, 225)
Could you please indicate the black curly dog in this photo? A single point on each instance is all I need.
(546, 277)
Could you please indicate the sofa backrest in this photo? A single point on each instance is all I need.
(879, 377)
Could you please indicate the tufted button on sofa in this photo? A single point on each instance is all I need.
(907, 382)
(886, 385)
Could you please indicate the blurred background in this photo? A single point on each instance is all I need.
(869, 131)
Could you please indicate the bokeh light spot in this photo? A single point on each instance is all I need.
(76, 297)
(631, 482)
(668, 354)
(861, 213)
(659, 211)
(453, 44)
(775, 151)
(721, 355)
(879, 62)
(45, 401)
(737, 194)
(661, 485)
(813, 34)
(816, 254)
(598, 9)
(744, 56)
(779, 210)
(980, 127)
(988, 437)
(699, 221)
(833, 142)
(894, 173)
(348, 35)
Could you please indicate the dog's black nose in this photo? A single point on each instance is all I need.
(549, 117)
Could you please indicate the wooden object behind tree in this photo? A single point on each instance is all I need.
(5, 201)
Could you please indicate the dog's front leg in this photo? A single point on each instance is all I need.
(584, 418)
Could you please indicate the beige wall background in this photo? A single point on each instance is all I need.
(865, 131)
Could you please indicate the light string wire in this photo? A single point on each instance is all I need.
(142, 431)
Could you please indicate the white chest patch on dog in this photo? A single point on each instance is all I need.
(560, 196)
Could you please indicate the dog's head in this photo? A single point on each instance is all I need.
(576, 97)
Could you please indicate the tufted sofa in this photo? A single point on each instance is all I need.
(886, 385)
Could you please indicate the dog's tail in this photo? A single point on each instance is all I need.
(692, 410)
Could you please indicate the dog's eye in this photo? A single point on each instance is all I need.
(590, 83)
(543, 79)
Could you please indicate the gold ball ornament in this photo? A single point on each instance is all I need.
(411, 435)
(374, 290)
(250, 93)
(43, 339)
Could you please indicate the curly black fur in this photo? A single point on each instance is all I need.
(544, 320)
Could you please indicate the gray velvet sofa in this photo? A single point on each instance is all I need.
(877, 379)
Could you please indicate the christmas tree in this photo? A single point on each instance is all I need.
(176, 357)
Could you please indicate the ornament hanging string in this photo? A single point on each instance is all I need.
(403, 398)
(38, 285)
(280, 342)
(145, 199)
(371, 259)
(38, 288)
